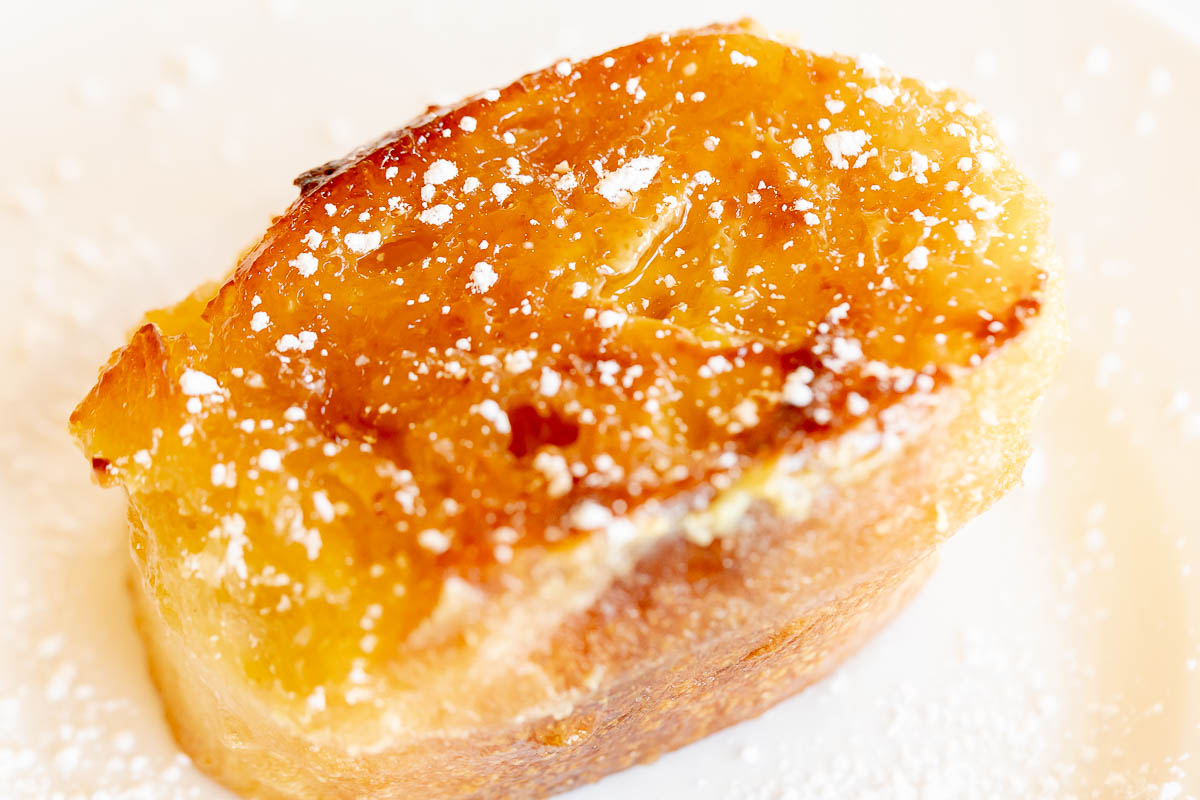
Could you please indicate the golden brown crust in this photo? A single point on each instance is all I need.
(540, 531)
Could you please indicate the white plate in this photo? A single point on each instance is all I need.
(1053, 654)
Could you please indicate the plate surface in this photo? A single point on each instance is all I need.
(1054, 653)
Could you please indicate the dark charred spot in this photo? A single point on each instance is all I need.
(103, 472)
(531, 430)
(312, 179)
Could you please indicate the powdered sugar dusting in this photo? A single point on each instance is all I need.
(619, 186)
(843, 144)
(483, 277)
(440, 171)
(360, 243)
(195, 383)
(437, 215)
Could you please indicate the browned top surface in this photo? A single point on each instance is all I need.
(612, 280)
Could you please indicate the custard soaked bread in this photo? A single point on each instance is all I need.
(572, 423)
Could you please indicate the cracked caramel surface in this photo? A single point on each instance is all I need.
(615, 281)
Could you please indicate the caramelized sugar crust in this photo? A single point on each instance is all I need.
(615, 282)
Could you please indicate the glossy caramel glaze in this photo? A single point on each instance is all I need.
(615, 281)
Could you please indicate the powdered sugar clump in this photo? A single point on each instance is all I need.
(440, 171)
(438, 215)
(483, 277)
(195, 383)
(358, 243)
(845, 143)
(619, 186)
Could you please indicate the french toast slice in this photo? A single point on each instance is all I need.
(567, 425)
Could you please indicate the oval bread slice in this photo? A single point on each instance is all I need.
(567, 425)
